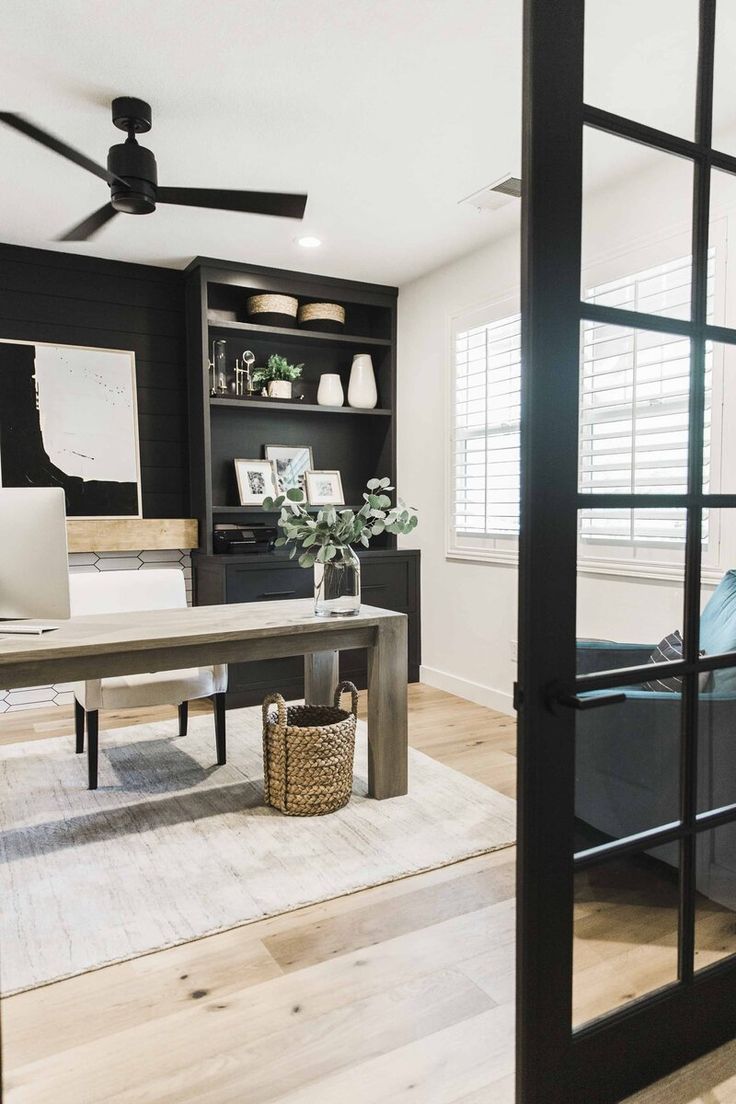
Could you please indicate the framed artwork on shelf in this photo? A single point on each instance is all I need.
(324, 488)
(256, 480)
(291, 464)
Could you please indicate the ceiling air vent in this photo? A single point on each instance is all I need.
(495, 195)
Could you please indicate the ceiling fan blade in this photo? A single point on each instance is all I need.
(55, 144)
(285, 204)
(88, 227)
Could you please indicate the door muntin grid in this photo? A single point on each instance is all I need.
(686, 832)
(556, 1064)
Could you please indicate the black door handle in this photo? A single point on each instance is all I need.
(277, 593)
(574, 701)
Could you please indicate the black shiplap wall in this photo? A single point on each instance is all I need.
(71, 300)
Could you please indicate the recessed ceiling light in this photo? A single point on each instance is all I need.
(309, 242)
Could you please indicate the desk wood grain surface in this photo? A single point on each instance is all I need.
(101, 645)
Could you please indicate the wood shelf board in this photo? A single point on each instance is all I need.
(130, 534)
(285, 333)
(305, 408)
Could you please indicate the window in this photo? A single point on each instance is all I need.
(634, 407)
(487, 398)
(633, 414)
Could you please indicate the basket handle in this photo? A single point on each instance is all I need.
(277, 700)
(353, 695)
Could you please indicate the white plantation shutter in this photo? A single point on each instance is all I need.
(485, 437)
(633, 416)
(634, 406)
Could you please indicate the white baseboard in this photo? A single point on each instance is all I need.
(471, 691)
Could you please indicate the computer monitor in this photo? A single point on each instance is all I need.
(34, 565)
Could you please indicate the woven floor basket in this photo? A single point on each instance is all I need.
(308, 754)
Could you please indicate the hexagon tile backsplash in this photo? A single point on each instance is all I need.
(35, 697)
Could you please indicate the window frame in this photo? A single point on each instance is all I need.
(630, 560)
(501, 547)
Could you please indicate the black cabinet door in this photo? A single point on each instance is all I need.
(385, 583)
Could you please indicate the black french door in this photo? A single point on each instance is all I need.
(627, 806)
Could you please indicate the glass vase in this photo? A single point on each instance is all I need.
(337, 585)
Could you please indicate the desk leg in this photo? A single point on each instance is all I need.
(388, 745)
(320, 677)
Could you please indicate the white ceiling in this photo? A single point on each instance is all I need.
(386, 111)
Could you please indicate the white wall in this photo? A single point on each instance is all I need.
(469, 609)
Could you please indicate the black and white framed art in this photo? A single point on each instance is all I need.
(69, 418)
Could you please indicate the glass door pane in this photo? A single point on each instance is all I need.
(715, 902)
(626, 932)
(641, 61)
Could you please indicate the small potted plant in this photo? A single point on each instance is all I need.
(324, 541)
(277, 377)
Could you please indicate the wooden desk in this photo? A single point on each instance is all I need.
(159, 640)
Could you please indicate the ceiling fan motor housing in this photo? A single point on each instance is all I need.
(137, 167)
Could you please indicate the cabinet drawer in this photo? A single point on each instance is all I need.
(264, 584)
(385, 584)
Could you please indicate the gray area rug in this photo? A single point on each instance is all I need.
(172, 847)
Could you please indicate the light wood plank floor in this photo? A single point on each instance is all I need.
(394, 994)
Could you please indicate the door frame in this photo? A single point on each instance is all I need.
(612, 1057)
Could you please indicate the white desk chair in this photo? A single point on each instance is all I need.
(122, 591)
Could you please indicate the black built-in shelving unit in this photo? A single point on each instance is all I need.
(359, 444)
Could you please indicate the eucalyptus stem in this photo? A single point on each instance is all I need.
(317, 538)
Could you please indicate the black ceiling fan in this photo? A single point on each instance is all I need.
(131, 174)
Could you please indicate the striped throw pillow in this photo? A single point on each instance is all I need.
(666, 651)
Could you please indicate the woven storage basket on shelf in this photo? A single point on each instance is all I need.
(308, 754)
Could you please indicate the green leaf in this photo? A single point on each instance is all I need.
(309, 540)
(384, 501)
(330, 552)
(364, 540)
(278, 368)
(373, 483)
(278, 501)
(377, 528)
(385, 482)
(267, 503)
(307, 560)
(295, 494)
(374, 501)
(279, 542)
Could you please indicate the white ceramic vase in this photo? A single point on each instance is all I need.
(330, 392)
(362, 392)
(279, 389)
